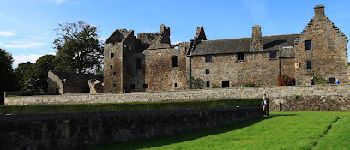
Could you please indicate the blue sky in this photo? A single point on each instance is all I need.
(27, 26)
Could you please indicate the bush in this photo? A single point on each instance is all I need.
(285, 80)
(249, 84)
(318, 79)
(196, 83)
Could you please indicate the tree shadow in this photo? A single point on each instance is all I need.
(188, 136)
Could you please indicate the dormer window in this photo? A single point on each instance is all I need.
(240, 56)
(209, 58)
(308, 45)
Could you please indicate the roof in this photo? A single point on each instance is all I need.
(227, 46)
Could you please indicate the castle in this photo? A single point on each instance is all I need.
(148, 62)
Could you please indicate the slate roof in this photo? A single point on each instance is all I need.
(228, 46)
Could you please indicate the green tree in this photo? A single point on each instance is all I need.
(78, 48)
(23, 73)
(37, 82)
(7, 76)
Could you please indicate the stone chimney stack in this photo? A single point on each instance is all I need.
(200, 34)
(319, 11)
(165, 34)
(256, 40)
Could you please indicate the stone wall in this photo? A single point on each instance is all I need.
(80, 130)
(160, 74)
(257, 68)
(319, 94)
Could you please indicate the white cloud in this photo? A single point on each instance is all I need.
(25, 58)
(22, 44)
(176, 42)
(7, 33)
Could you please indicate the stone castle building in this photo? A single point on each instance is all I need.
(149, 62)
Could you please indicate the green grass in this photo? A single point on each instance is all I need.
(282, 130)
(163, 105)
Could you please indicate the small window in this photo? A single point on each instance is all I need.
(272, 55)
(209, 58)
(240, 56)
(308, 44)
(206, 71)
(114, 73)
(138, 63)
(175, 62)
(114, 85)
(145, 86)
(225, 84)
(308, 64)
(331, 80)
(112, 55)
(132, 86)
(208, 83)
(111, 66)
(175, 84)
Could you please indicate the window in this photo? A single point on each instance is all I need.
(112, 55)
(272, 55)
(308, 44)
(138, 63)
(209, 58)
(114, 85)
(145, 86)
(240, 56)
(308, 64)
(225, 84)
(175, 84)
(114, 73)
(174, 61)
(111, 66)
(132, 86)
(206, 71)
(331, 80)
(208, 83)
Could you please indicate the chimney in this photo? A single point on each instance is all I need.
(319, 11)
(256, 40)
(200, 34)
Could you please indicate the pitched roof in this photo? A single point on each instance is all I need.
(228, 46)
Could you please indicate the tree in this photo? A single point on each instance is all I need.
(23, 73)
(7, 76)
(37, 81)
(78, 48)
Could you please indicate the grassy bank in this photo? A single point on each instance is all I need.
(287, 130)
(164, 105)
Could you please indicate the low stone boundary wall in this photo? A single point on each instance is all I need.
(80, 130)
(317, 93)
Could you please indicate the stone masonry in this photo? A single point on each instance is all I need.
(149, 62)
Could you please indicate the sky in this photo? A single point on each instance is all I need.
(27, 27)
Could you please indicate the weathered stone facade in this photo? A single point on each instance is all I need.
(62, 82)
(149, 62)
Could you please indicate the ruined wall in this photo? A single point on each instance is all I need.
(160, 75)
(54, 84)
(328, 54)
(81, 130)
(337, 92)
(257, 68)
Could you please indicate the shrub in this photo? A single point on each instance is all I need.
(196, 83)
(285, 80)
(318, 79)
(249, 84)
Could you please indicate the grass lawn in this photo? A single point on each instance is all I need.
(282, 130)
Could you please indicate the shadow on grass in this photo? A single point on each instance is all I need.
(189, 136)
